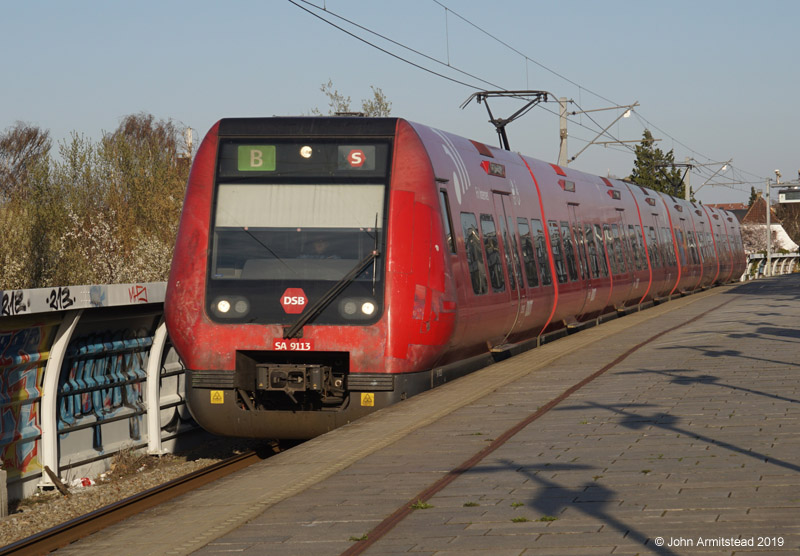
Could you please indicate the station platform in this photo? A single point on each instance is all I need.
(673, 430)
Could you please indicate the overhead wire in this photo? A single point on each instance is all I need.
(422, 54)
(580, 87)
(527, 59)
(375, 46)
(394, 42)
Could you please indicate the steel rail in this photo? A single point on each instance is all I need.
(83, 526)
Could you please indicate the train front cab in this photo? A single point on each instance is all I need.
(275, 188)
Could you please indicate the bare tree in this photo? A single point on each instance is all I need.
(378, 105)
(22, 147)
(789, 213)
(145, 179)
(375, 106)
(103, 212)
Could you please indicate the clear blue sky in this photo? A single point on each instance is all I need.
(718, 78)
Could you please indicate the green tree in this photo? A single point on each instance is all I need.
(375, 106)
(656, 169)
(753, 196)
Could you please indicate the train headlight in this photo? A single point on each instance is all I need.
(230, 307)
(358, 308)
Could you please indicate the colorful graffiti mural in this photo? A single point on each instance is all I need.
(23, 355)
(95, 402)
(102, 379)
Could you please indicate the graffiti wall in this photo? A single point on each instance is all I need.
(23, 355)
(97, 394)
(103, 380)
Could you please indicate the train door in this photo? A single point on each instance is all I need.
(686, 264)
(623, 283)
(664, 248)
(634, 251)
(510, 253)
(590, 289)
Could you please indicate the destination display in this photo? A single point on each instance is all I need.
(264, 159)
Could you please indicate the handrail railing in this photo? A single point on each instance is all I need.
(780, 263)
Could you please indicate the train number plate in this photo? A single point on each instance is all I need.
(282, 344)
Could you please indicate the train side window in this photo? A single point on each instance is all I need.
(692, 247)
(631, 250)
(493, 260)
(720, 250)
(681, 245)
(673, 245)
(591, 251)
(526, 242)
(618, 254)
(609, 242)
(541, 252)
(447, 220)
(725, 248)
(472, 247)
(558, 257)
(640, 246)
(510, 250)
(652, 247)
(710, 244)
(629, 243)
(701, 246)
(601, 251)
(569, 251)
(512, 232)
(580, 244)
(669, 247)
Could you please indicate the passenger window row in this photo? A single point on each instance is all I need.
(579, 250)
(573, 248)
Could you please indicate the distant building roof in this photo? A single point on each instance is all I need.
(739, 210)
(758, 213)
(730, 206)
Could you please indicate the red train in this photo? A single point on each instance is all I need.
(328, 267)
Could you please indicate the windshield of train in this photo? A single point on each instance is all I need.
(290, 221)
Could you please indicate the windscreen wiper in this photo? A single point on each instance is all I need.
(314, 310)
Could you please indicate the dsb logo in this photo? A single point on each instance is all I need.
(294, 300)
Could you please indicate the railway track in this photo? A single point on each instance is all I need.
(83, 526)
